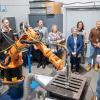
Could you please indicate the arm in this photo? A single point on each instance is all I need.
(68, 45)
(62, 39)
(0, 34)
(91, 36)
(84, 38)
(51, 37)
(46, 34)
(80, 45)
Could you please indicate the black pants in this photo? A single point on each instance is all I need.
(75, 62)
(2, 56)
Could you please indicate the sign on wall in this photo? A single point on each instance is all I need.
(3, 8)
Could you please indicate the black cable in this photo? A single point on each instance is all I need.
(3, 62)
(8, 39)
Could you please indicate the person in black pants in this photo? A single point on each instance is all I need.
(7, 37)
(74, 44)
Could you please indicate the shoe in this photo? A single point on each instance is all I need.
(72, 70)
(39, 65)
(88, 67)
(93, 98)
(77, 72)
(96, 67)
(43, 66)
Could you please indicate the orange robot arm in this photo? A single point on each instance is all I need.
(15, 53)
(56, 61)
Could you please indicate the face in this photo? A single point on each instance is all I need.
(80, 25)
(40, 23)
(74, 31)
(54, 29)
(98, 24)
(5, 23)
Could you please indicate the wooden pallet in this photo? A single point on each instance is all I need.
(67, 90)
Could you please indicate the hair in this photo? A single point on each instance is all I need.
(21, 24)
(73, 29)
(82, 25)
(52, 27)
(39, 20)
(97, 21)
(4, 19)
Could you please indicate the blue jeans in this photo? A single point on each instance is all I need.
(98, 87)
(93, 54)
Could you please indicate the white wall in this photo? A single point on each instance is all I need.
(71, 1)
(16, 8)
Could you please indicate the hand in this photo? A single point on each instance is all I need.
(74, 54)
(94, 44)
(58, 41)
(35, 47)
(97, 45)
(85, 45)
(5, 52)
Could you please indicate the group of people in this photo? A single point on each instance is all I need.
(77, 45)
(76, 42)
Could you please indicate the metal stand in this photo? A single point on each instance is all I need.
(29, 59)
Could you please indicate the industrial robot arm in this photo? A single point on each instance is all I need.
(14, 59)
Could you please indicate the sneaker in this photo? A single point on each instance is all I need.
(96, 67)
(72, 70)
(88, 67)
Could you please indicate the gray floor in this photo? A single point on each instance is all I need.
(50, 71)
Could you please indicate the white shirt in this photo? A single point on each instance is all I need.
(75, 41)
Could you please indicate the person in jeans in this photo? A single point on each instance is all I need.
(94, 38)
(74, 45)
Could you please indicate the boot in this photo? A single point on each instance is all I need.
(94, 98)
(88, 67)
(96, 67)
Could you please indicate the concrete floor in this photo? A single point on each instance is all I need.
(50, 71)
